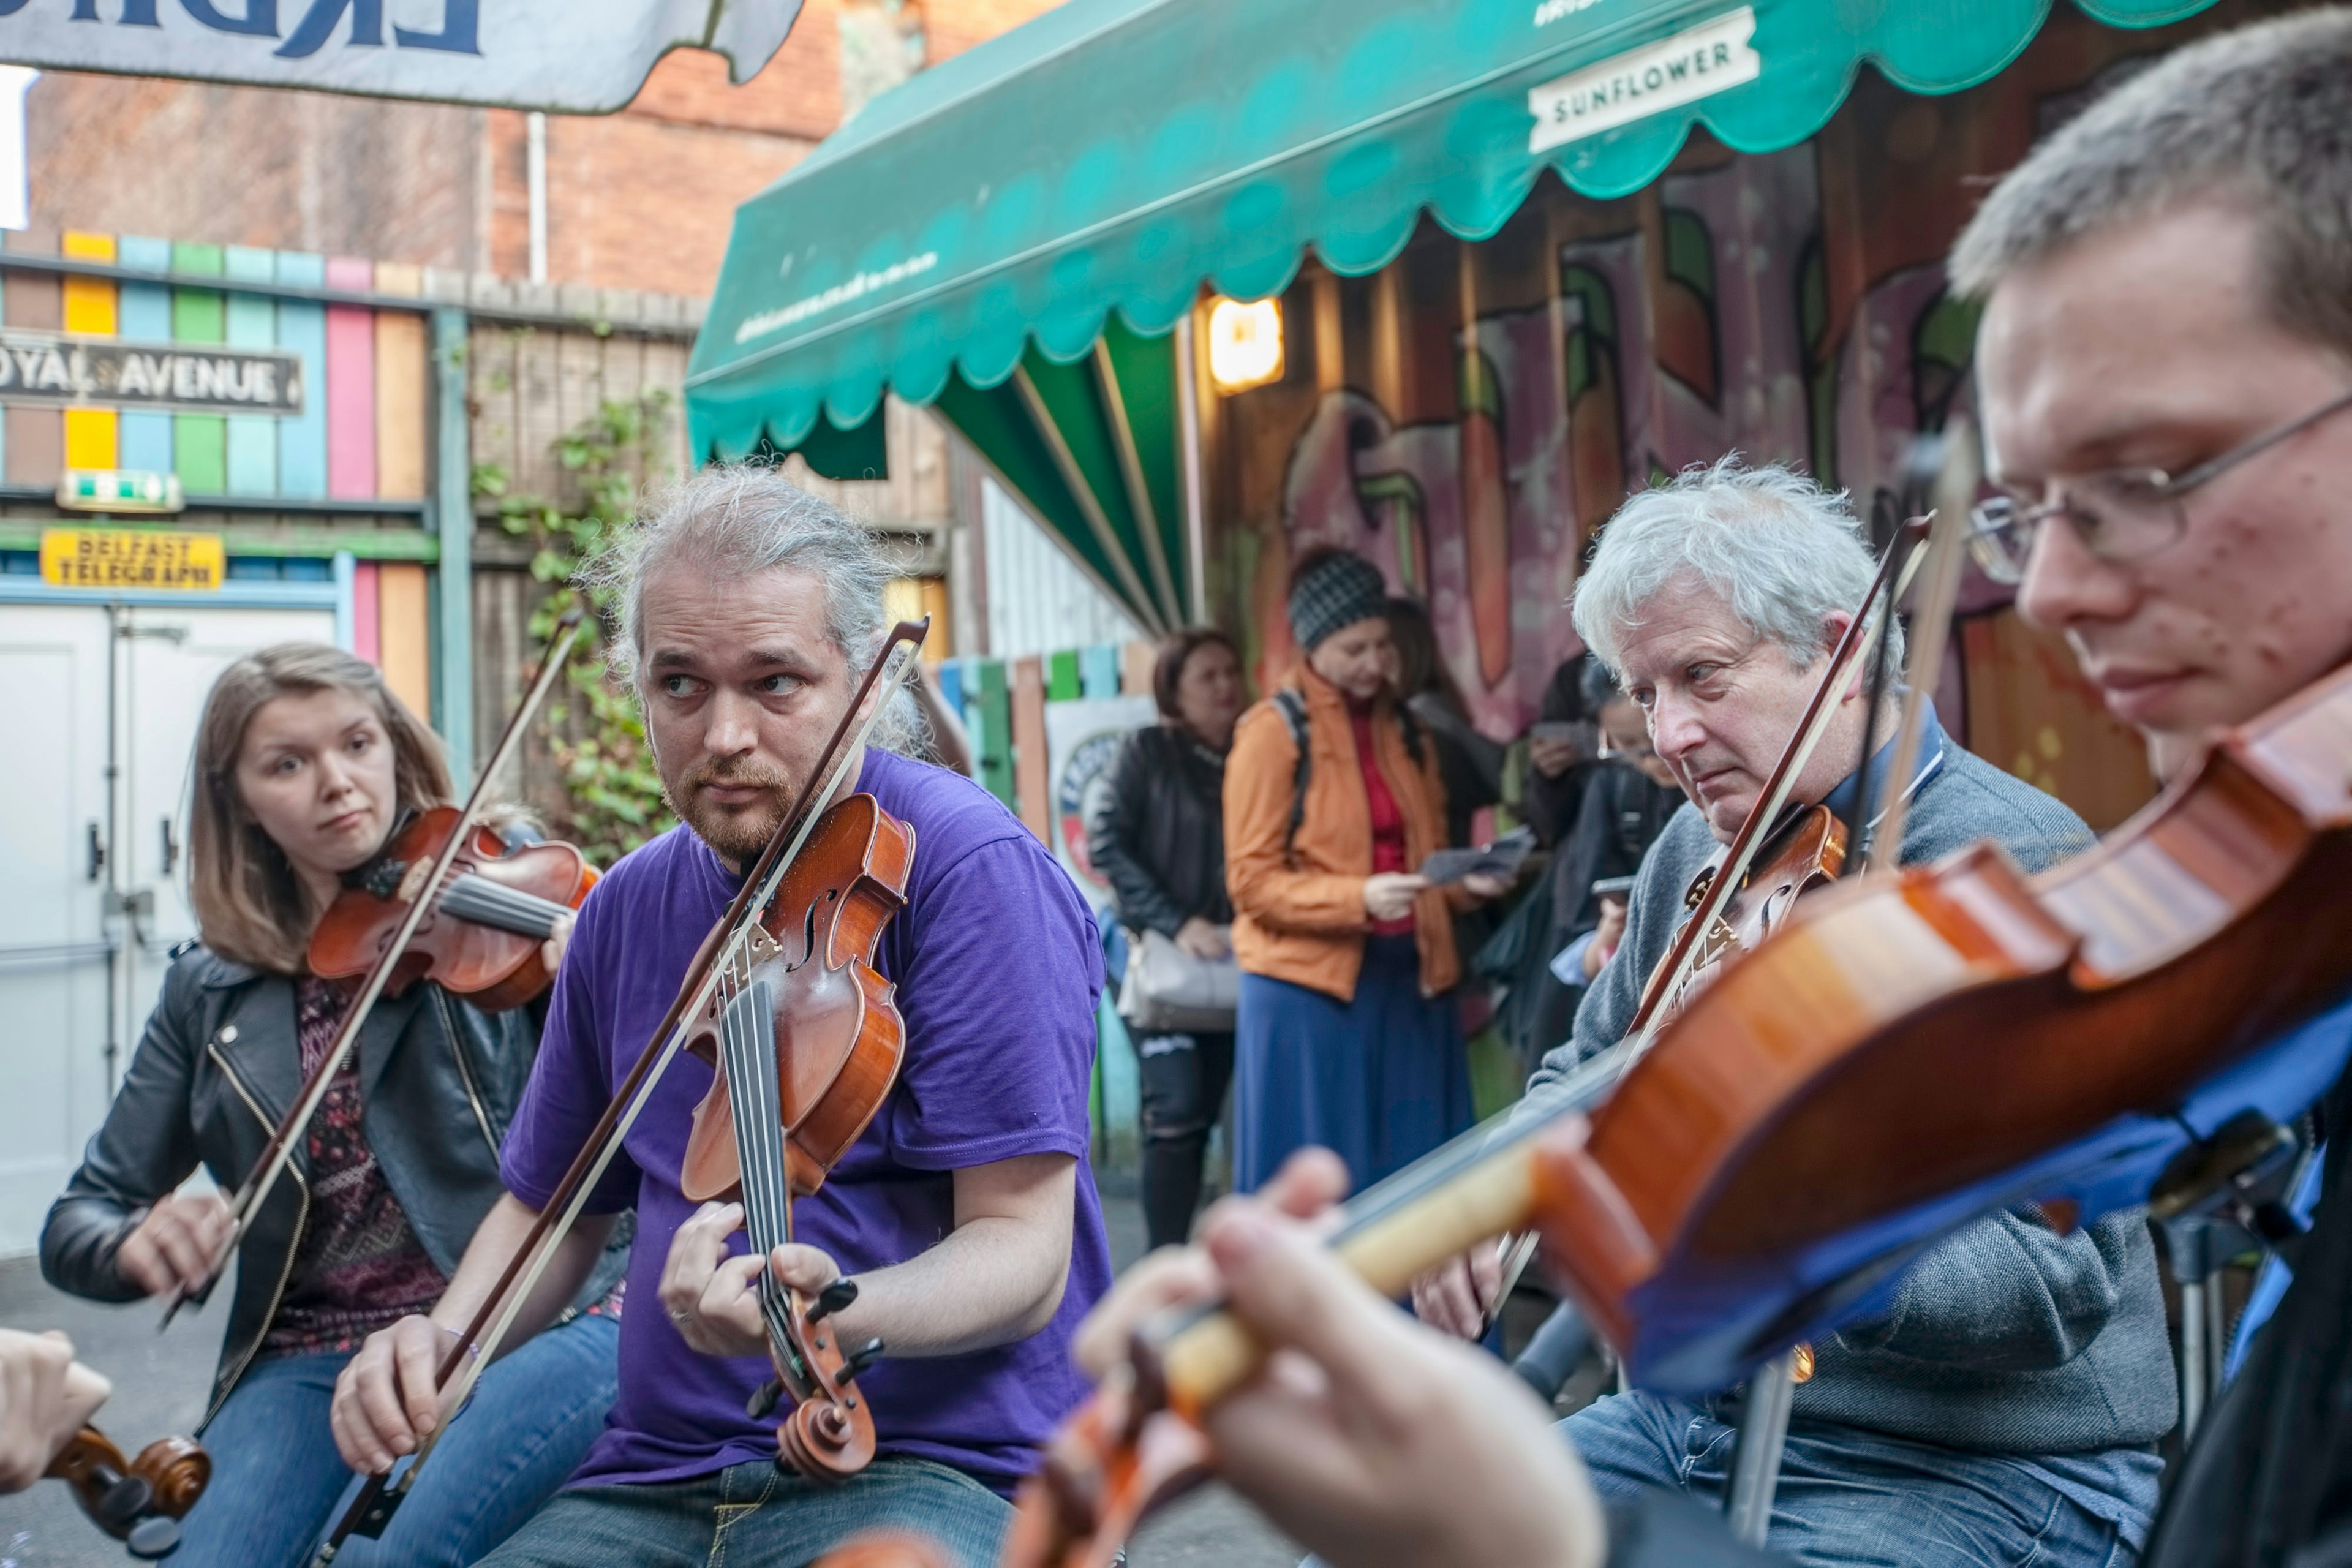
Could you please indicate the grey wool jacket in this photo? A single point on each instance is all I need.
(2008, 1336)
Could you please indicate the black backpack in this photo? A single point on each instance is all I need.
(1294, 713)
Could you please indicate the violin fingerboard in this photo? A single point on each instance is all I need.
(747, 1032)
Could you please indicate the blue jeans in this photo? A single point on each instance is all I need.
(758, 1513)
(1853, 1499)
(279, 1485)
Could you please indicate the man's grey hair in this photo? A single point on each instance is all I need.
(1781, 552)
(737, 522)
(2261, 117)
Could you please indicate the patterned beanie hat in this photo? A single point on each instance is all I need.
(1338, 591)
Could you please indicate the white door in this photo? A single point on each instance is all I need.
(53, 947)
(77, 983)
(172, 658)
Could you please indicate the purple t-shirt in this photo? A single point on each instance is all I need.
(998, 967)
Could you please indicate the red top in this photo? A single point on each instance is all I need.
(1388, 822)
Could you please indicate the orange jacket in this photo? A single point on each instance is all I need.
(1300, 915)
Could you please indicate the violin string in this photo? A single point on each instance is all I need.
(751, 1066)
(476, 897)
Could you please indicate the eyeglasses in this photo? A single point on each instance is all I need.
(2120, 514)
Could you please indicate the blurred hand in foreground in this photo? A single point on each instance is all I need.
(1371, 1439)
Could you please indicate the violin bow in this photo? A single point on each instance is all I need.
(1902, 559)
(462, 1365)
(280, 1151)
(1931, 623)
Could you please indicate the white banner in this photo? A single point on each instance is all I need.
(1692, 65)
(580, 56)
(1081, 738)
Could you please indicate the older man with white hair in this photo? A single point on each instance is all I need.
(2006, 1405)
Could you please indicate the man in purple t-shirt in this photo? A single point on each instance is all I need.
(964, 1214)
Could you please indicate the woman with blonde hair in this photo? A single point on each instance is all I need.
(304, 766)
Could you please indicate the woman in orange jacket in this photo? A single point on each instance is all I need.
(1348, 1035)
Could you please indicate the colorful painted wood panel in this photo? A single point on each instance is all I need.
(252, 466)
(403, 634)
(91, 306)
(350, 389)
(1029, 766)
(200, 441)
(400, 394)
(365, 598)
(302, 330)
(144, 311)
(36, 439)
(1135, 662)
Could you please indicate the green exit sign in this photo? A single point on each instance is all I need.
(120, 491)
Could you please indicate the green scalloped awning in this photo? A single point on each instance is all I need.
(993, 213)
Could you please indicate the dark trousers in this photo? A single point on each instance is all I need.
(1184, 1081)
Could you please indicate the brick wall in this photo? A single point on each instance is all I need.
(642, 199)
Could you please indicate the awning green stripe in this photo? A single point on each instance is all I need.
(1105, 159)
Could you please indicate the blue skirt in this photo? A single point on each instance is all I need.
(1381, 1081)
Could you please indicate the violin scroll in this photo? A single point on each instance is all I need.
(140, 1501)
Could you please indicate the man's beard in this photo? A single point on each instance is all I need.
(739, 833)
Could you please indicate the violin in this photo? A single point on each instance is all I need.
(485, 936)
(1808, 851)
(808, 1041)
(140, 1501)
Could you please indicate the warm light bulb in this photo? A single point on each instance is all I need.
(1245, 343)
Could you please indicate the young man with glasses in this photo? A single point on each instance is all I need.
(2165, 368)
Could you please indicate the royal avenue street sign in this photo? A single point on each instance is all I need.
(50, 368)
(584, 56)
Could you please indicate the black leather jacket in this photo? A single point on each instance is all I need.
(218, 1069)
(1160, 832)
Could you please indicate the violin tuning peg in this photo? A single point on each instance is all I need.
(866, 1355)
(832, 1299)
(154, 1537)
(763, 1400)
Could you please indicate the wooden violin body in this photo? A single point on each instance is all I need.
(485, 936)
(138, 1501)
(807, 1039)
(1807, 852)
(839, 1037)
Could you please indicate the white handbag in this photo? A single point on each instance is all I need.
(1169, 990)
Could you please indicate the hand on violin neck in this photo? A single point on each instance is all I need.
(1461, 1296)
(551, 952)
(174, 1247)
(1372, 1440)
(412, 882)
(712, 1297)
(46, 1397)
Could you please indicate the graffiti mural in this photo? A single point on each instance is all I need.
(1469, 415)
(1470, 515)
